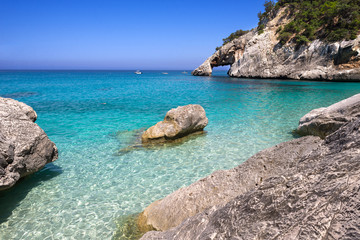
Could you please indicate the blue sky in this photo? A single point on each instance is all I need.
(115, 34)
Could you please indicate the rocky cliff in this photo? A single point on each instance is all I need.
(24, 146)
(255, 55)
(307, 188)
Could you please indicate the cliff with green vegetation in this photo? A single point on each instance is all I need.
(316, 40)
(329, 21)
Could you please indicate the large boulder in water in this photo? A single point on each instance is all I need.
(324, 121)
(178, 122)
(24, 146)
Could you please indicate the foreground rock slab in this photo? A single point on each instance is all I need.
(314, 196)
(324, 121)
(177, 123)
(222, 186)
(24, 146)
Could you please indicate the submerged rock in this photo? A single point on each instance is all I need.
(324, 121)
(19, 94)
(178, 122)
(24, 146)
(307, 188)
(255, 55)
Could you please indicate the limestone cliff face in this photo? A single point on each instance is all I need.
(262, 56)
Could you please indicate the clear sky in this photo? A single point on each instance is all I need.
(115, 34)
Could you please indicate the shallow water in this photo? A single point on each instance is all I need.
(93, 116)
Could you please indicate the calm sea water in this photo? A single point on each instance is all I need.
(93, 116)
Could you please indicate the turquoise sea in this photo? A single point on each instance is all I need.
(95, 117)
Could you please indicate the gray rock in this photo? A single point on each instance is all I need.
(324, 121)
(262, 56)
(177, 123)
(222, 186)
(314, 195)
(24, 146)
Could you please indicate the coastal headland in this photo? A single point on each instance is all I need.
(282, 46)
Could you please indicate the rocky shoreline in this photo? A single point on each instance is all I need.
(255, 55)
(306, 188)
(24, 146)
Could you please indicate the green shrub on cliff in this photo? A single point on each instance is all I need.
(284, 37)
(320, 19)
(233, 36)
(301, 40)
(263, 17)
(261, 28)
(330, 21)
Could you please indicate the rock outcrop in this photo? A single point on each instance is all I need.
(222, 186)
(324, 121)
(24, 146)
(307, 188)
(262, 56)
(178, 122)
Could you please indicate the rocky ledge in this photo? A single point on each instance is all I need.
(307, 188)
(24, 146)
(255, 55)
(178, 122)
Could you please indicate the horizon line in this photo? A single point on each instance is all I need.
(100, 70)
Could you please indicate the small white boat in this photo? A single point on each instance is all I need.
(138, 72)
(184, 72)
(164, 73)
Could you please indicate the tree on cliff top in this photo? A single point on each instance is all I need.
(233, 36)
(269, 6)
(320, 19)
(330, 21)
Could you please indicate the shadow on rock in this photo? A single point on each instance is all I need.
(295, 134)
(10, 198)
